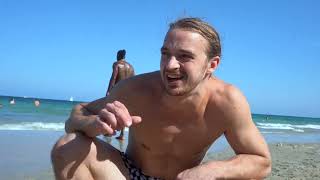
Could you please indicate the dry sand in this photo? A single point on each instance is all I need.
(289, 161)
(30, 159)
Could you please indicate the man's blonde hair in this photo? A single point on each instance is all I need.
(204, 29)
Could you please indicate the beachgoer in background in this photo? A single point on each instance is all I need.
(174, 115)
(36, 102)
(12, 101)
(121, 70)
(1, 105)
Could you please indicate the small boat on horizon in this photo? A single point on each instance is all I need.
(71, 99)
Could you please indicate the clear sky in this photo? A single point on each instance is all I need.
(58, 49)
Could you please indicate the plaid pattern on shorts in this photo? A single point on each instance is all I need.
(134, 172)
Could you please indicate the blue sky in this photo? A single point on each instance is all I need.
(57, 49)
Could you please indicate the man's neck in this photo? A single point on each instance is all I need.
(191, 99)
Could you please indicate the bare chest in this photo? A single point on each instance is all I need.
(176, 133)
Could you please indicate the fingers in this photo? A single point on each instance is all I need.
(120, 112)
(136, 119)
(104, 128)
(108, 118)
(115, 116)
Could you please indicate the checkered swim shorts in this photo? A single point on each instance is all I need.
(134, 172)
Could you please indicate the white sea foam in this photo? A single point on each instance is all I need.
(272, 132)
(279, 126)
(309, 126)
(33, 126)
(36, 126)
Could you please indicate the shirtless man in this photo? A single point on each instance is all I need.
(174, 115)
(121, 70)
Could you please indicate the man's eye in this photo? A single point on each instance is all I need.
(185, 57)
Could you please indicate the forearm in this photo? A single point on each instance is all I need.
(243, 166)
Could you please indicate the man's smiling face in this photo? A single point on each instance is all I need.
(184, 61)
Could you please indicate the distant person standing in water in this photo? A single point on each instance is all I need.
(37, 103)
(12, 101)
(121, 70)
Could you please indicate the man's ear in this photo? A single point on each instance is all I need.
(213, 64)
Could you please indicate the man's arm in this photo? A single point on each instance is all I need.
(113, 78)
(252, 160)
(84, 118)
(103, 116)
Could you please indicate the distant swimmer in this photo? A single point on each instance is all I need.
(36, 103)
(12, 101)
(121, 70)
(1, 105)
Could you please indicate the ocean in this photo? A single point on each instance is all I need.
(51, 115)
(27, 134)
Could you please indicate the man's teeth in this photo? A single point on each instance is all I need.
(173, 76)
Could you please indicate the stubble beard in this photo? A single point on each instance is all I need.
(184, 89)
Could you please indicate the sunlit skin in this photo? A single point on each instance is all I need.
(174, 115)
(183, 64)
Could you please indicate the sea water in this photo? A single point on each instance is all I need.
(24, 115)
(27, 134)
(52, 114)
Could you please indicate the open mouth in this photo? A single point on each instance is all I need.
(174, 77)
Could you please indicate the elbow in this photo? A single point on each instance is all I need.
(269, 167)
(266, 167)
(67, 124)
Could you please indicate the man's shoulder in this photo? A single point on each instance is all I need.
(150, 75)
(225, 94)
(121, 62)
(142, 81)
(141, 87)
(228, 101)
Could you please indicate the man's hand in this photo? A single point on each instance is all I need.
(115, 116)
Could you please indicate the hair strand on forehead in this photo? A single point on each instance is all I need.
(204, 29)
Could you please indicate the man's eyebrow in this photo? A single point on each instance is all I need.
(186, 52)
(190, 53)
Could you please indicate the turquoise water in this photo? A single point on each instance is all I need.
(24, 115)
(51, 115)
(27, 134)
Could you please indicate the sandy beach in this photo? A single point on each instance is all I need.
(289, 160)
(26, 155)
(295, 161)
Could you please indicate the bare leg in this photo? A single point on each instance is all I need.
(76, 156)
(121, 137)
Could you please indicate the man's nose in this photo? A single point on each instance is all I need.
(173, 63)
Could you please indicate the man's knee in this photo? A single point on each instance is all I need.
(74, 152)
(70, 145)
(70, 148)
(69, 154)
